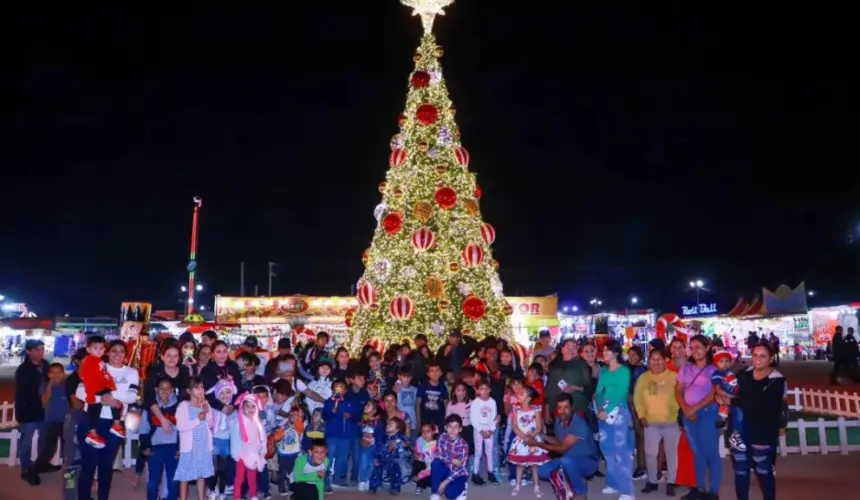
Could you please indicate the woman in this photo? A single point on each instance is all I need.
(657, 410)
(127, 380)
(169, 368)
(340, 371)
(221, 367)
(588, 353)
(576, 375)
(699, 414)
(761, 391)
(635, 362)
(204, 356)
(613, 413)
(389, 408)
(685, 475)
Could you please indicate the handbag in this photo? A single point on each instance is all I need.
(680, 418)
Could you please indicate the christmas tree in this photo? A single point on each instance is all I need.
(429, 268)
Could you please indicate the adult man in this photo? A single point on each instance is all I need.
(567, 374)
(29, 411)
(313, 354)
(839, 357)
(574, 441)
(452, 355)
(544, 345)
(416, 361)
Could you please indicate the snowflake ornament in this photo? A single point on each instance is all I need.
(433, 152)
(435, 77)
(496, 287)
(381, 269)
(409, 272)
(379, 211)
(465, 289)
(446, 138)
(437, 327)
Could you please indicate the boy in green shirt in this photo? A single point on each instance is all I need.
(309, 472)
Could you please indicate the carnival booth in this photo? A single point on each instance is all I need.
(297, 317)
(533, 314)
(824, 321)
(15, 331)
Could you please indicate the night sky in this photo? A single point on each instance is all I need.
(621, 152)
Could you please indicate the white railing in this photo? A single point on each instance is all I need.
(801, 426)
(7, 415)
(831, 403)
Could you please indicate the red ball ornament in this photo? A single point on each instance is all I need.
(397, 157)
(401, 120)
(488, 233)
(365, 256)
(347, 317)
(446, 198)
(478, 192)
(392, 223)
(427, 114)
(423, 239)
(473, 254)
(420, 79)
(401, 308)
(462, 156)
(366, 294)
(474, 308)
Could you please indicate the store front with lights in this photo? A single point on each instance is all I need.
(531, 315)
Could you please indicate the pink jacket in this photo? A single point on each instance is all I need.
(186, 426)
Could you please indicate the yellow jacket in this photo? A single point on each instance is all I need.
(654, 397)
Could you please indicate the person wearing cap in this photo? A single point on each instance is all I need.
(29, 411)
(455, 353)
(543, 347)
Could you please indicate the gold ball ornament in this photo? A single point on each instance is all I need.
(365, 257)
(454, 267)
(398, 193)
(382, 186)
(441, 169)
(507, 309)
(438, 51)
(444, 305)
(423, 146)
(471, 207)
(435, 287)
(423, 211)
(452, 110)
(418, 57)
(494, 263)
(374, 308)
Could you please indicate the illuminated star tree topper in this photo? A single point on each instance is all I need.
(428, 10)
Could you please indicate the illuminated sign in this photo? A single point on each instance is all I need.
(534, 306)
(699, 309)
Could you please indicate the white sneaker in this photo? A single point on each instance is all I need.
(363, 486)
(512, 482)
(254, 498)
(609, 491)
(212, 495)
(626, 497)
(228, 490)
(435, 497)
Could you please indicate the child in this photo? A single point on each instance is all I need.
(321, 386)
(220, 482)
(288, 449)
(267, 417)
(448, 475)
(373, 391)
(357, 396)
(725, 385)
(162, 447)
(309, 472)
(407, 396)
(541, 360)
(484, 417)
(249, 364)
(98, 382)
(459, 405)
(56, 405)
(375, 374)
(247, 445)
(316, 430)
(432, 396)
(337, 413)
(467, 375)
(372, 431)
(425, 452)
(392, 458)
(527, 423)
(534, 379)
(195, 441)
(511, 403)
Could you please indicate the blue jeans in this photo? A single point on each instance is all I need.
(338, 454)
(91, 458)
(365, 464)
(354, 453)
(575, 468)
(704, 438)
(285, 467)
(440, 472)
(163, 458)
(25, 442)
(760, 459)
(618, 444)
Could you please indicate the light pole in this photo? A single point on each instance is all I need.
(698, 285)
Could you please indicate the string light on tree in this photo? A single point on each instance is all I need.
(439, 271)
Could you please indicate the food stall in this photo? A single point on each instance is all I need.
(533, 314)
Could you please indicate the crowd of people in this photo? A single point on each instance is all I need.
(303, 421)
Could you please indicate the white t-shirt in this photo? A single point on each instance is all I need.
(482, 414)
(127, 386)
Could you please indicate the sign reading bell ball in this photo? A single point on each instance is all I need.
(699, 310)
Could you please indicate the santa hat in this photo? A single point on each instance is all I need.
(722, 354)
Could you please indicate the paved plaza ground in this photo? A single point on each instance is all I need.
(798, 478)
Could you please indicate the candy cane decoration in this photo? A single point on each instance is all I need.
(677, 323)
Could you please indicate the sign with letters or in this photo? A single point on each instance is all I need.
(699, 310)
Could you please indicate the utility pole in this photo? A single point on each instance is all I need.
(192, 261)
(241, 279)
(271, 275)
(256, 290)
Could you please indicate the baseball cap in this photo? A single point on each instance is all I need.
(32, 344)
(544, 333)
(251, 341)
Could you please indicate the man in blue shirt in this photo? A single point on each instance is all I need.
(29, 411)
(574, 441)
(56, 404)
